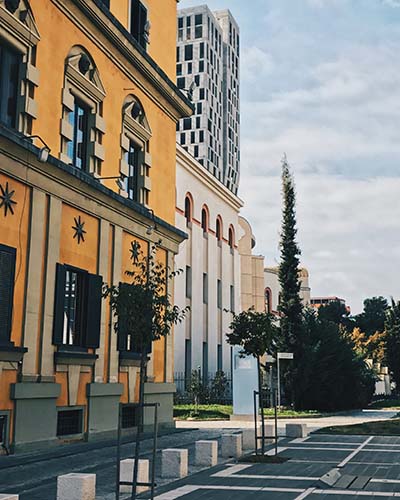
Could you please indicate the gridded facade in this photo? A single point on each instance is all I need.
(208, 46)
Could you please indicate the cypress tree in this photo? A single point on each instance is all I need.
(290, 306)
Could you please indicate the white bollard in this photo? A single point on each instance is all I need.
(206, 453)
(174, 463)
(76, 487)
(126, 474)
(296, 430)
(248, 439)
(231, 445)
(8, 496)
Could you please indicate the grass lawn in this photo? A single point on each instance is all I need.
(205, 412)
(223, 412)
(289, 413)
(387, 404)
(381, 428)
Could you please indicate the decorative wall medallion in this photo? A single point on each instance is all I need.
(78, 228)
(135, 248)
(6, 199)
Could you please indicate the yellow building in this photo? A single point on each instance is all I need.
(92, 81)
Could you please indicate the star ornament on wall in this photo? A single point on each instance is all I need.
(6, 199)
(135, 249)
(79, 233)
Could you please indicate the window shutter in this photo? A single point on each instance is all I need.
(122, 327)
(93, 310)
(58, 321)
(7, 276)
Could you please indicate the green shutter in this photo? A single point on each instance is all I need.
(93, 310)
(58, 320)
(7, 276)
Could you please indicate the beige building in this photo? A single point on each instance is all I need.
(251, 270)
(272, 288)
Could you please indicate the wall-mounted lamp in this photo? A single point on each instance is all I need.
(152, 227)
(190, 90)
(43, 154)
(119, 180)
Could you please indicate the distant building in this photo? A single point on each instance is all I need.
(317, 302)
(251, 270)
(208, 46)
(272, 288)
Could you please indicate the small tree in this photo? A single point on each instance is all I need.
(144, 314)
(254, 332)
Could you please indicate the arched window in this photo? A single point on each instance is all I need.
(231, 237)
(218, 229)
(188, 209)
(204, 219)
(135, 161)
(82, 123)
(268, 300)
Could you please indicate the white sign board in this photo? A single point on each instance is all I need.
(285, 355)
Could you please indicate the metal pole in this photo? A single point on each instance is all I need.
(260, 396)
(117, 479)
(276, 423)
(153, 464)
(255, 422)
(279, 380)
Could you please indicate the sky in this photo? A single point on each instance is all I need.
(320, 81)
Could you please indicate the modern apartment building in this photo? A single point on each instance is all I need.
(85, 101)
(208, 48)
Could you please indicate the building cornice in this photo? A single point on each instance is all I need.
(81, 183)
(191, 165)
(127, 46)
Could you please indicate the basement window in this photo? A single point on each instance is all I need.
(69, 422)
(129, 416)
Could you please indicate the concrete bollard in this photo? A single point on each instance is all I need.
(174, 463)
(231, 445)
(76, 487)
(8, 496)
(126, 474)
(296, 430)
(206, 453)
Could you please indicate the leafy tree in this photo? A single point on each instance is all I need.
(392, 341)
(255, 333)
(335, 376)
(372, 347)
(337, 313)
(372, 319)
(144, 314)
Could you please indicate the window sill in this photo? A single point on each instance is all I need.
(74, 358)
(127, 358)
(11, 353)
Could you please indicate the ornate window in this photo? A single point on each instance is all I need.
(82, 124)
(135, 164)
(19, 75)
